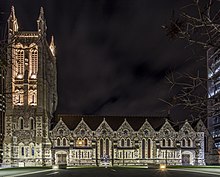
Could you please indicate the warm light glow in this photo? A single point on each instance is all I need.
(80, 142)
(33, 64)
(162, 167)
(32, 95)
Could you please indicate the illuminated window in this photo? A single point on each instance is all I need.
(18, 97)
(32, 96)
(33, 63)
(19, 63)
(82, 142)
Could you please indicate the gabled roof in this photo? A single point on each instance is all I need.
(93, 121)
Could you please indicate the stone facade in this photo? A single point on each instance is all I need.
(29, 139)
(31, 84)
(129, 141)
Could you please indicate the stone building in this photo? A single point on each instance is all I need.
(29, 139)
(90, 140)
(31, 84)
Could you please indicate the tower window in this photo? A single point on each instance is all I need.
(33, 63)
(31, 123)
(21, 124)
(20, 63)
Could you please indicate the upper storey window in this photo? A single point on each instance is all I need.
(19, 63)
(33, 62)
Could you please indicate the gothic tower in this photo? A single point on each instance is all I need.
(31, 95)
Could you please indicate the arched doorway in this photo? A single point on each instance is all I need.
(187, 158)
(61, 157)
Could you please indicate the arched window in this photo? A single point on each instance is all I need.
(169, 142)
(22, 151)
(107, 146)
(21, 123)
(85, 142)
(148, 148)
(143, 149)
(122, 143)
(101, 148)
(33, 61)
(31, 123)
(164, 142)
(183, 142)
(58, 141)
(20, 63)
(64, 141)
(128, 142)
(32, 151)
(189, 143)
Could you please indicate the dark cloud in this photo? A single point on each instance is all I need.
(112, 56)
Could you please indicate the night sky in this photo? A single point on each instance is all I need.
(112, 55)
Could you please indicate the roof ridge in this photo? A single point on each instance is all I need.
(126, 116)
